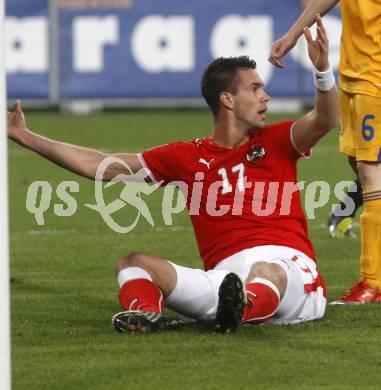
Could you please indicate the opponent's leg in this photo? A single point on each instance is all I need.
(370, 260)
(370, 175)
(365, 123)
(369, 288)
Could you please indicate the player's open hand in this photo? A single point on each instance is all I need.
(318, 48)
(16, 122)
(280, 48)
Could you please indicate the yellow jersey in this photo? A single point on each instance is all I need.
(360, 52)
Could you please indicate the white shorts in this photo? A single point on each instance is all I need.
(196, 291)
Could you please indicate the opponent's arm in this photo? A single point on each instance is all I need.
(310, 128)
(284, 44)
(80, 160)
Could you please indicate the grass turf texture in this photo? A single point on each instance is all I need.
(64, 291)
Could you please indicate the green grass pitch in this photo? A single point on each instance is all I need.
(64, 290)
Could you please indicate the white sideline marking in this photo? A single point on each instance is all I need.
(174, 229)
(58, 232)
(160, 229)
(51, 232)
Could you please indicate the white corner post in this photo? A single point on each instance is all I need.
(5, 345)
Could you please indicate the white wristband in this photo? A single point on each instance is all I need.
(324, 81)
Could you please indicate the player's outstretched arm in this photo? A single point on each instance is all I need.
(80, 160)
(284, 44)
(310, 128)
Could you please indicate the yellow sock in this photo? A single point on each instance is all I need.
(370, 220)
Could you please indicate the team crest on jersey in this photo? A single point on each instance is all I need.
(255, 153)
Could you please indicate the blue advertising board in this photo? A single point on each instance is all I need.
(116, 49)
(26, 49)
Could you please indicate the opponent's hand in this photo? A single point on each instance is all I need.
(16, 122)
(280, 48)
(318, 48)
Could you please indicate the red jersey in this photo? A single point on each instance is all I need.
(237, 198)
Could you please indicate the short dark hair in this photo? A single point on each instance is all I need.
(220, 76)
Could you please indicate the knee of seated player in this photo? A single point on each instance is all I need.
(370, 175)
(269, 271)
(135, 259)
(163, 274)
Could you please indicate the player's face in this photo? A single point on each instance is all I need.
(250, 100)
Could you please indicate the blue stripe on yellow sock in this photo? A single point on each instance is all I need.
(371, 196)
(371, 193)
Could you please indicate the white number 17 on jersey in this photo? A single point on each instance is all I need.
(226, 186)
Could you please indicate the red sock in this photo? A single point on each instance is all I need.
(141, 294)
(262, 301)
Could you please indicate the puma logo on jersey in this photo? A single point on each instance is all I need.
(202, 161)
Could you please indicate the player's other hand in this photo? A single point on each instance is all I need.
(280, 48)
(318, 48)
(16, 123)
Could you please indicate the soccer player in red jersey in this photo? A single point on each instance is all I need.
(240, 187)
